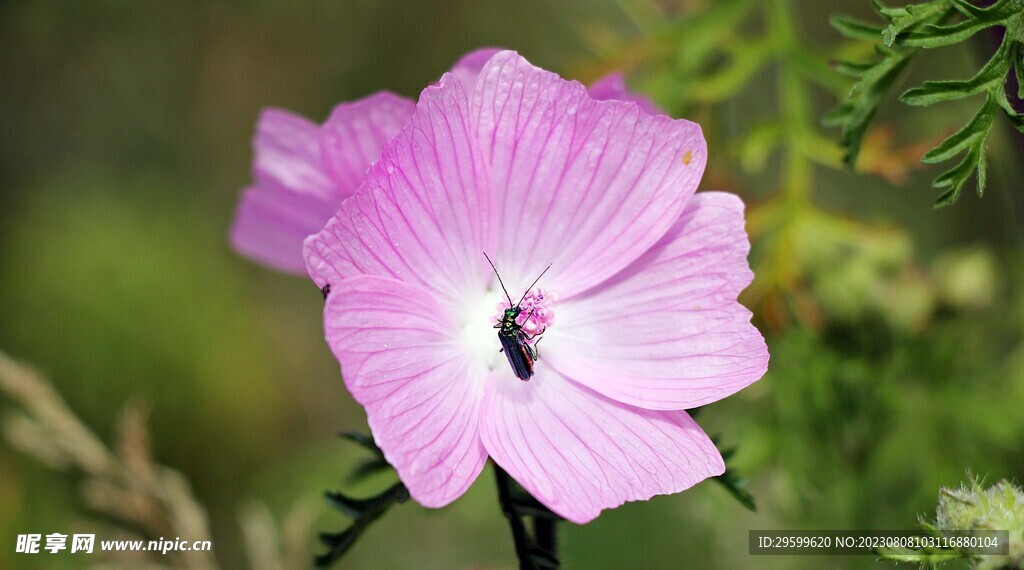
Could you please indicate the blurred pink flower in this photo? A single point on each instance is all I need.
(303, 171)
(640, 301)
(613, 87)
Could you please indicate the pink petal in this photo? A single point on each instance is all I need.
(287, 148)
(613, 86)
(421, 393)
(579, 452)
(292, 197)
(271, 222)
(667, 332)
(468, 68)
(353, 136)
(585, 185)
(303, 172)
(422, 212)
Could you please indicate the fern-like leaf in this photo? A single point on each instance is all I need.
(924, 26)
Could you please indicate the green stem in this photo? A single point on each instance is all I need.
(794, 105)
(547, 538)
(520, 536)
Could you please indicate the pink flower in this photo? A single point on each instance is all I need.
(641, 315)
(303, 171)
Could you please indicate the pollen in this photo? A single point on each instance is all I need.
(688, 157)
(536, 311)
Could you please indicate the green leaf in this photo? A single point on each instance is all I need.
(932, 36)
(369, 467)
(956, 177)
(704, 31)
(855, 29)
(931, 92)
(851, 69)
(1017, 120)
(1018, 67)
(354, 508)
(922, 26)
(761, 140)
(744, 65)
(879, 74)
(733, 482)
(363, 440)
(819, 70)
(997, 12)
(338, 544)
(906, 18)
(363, 512)
(981, 170)
(989, 78)
(874, 80)
(837, 116)
(854, 116)
(971, 134)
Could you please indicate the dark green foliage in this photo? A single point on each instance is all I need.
(732, 481)
(925, 26)
(873, 417)
(874, 81)
(367, 467)
(362, 511)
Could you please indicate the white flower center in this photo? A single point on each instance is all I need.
(481, 313)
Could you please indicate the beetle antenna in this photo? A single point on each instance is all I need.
(534, 283)
(509, 297)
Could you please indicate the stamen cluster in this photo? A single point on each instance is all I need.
(536, 311)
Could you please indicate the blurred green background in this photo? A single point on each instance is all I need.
(896, 331)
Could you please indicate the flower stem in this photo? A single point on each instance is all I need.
(531, 555)
(519, 534)
(544, 529)
(794, 104)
